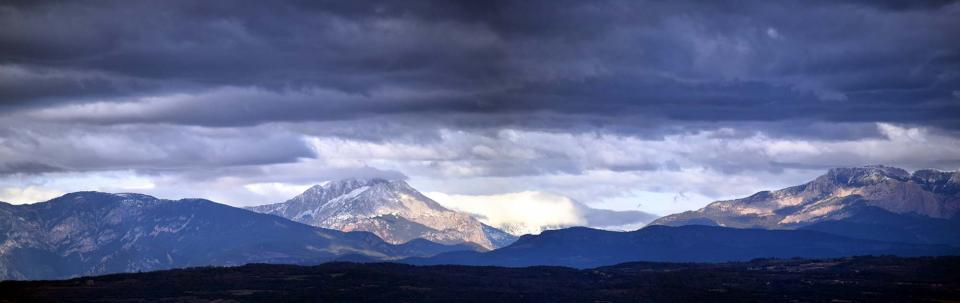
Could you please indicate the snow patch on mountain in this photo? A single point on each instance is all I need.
(88, 233)
(928, 193)
(391, 209)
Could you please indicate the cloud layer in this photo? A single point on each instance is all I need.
(533, 212)
(627, 105)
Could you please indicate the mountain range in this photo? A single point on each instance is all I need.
(848, 211)
(582, 247)
(391, 209)
(871, 202)
(92, 233)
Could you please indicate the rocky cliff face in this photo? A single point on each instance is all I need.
(391, 209)
(833, 196)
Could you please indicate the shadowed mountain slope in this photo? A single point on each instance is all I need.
(88, 233)
(584, 247)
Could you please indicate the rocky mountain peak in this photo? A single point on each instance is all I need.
(838, 194)
(344, 185)
(391, 209)
(938, 181)
(355, 182)
(866, 175)
(97, 199)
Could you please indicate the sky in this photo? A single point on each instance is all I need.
(523, 106)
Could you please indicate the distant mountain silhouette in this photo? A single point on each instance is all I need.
(868, 222)
(585, 248)
(851, 211)
(90, 233)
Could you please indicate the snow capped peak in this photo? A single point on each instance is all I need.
(364, 181)
(870, 174)
(365, 204)
(335, 190)
(836, 195)
(936, 176)
(347, 185)
(941, 182)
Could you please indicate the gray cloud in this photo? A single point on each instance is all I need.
(82, 148)
(205, 97)
(26, 168)
(324, 61)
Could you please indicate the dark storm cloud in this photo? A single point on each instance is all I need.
(38, 148)
(269, 45)
(246, 63)
(904, 5)
(26, 168)
(22, 85)
(254, 174)
(227, 87)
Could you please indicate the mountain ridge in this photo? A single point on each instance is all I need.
(87, 233)
(391, 209)
(840, 194)
(889, 188)
(583, 247)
